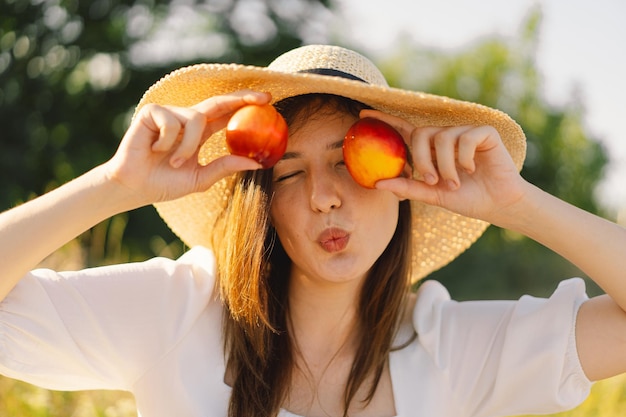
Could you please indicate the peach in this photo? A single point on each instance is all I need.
(258, 132)
(373, 150)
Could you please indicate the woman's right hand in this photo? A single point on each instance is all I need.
(156, 161)
(157, 157)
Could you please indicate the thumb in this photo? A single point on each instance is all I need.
(405, 188)
(222, 167)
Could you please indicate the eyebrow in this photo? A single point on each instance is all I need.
(330, 147)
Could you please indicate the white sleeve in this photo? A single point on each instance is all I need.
(101, 328)
(504, 358)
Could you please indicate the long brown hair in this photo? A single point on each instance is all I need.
(253, 279)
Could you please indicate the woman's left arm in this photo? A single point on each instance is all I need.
(467, 169)
(598, 247)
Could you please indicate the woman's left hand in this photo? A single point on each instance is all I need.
(465, 169)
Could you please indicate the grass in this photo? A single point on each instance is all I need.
(607, 399)
(18, 399)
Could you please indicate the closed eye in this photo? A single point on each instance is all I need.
(287, 176)
(341, 165)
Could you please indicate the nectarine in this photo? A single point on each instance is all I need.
(258, 132)
(373, 150)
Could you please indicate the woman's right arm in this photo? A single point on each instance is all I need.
(156, 161)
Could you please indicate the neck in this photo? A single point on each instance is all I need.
(323, 315)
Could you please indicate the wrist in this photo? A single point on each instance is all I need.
(519, 215)
(119, 197)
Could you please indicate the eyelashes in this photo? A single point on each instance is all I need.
(292, 174)
(286, 176)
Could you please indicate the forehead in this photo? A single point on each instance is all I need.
(320, 129)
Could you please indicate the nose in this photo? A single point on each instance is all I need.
(324, 192)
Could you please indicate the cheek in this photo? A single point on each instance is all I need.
(278, 209)
(382, 216)
(288, 234)
(284, 217)
(389, 222)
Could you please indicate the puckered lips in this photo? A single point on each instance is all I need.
(333, 239)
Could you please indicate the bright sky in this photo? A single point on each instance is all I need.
(582, 46)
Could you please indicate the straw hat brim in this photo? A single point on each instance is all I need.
(439, 235)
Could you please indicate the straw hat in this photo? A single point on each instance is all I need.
(439, 236)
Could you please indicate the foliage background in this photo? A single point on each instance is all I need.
(71, 73)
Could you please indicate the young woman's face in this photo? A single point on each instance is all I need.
(332, 228)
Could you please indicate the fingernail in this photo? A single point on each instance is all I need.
(430, 179)
(176, 163)
(254, 165)
(255, 96)
(452, 184)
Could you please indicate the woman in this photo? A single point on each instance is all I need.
(294, 299)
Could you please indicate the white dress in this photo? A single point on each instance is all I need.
(154, 329)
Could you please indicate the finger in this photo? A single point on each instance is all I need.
(402, 126)
(467, 150)
(192, 135)
(445, 144)
(218, 109)
(224, 166)
(422, 153)
(473, 140)
(164, 123)
(409, 189)
(181, 132)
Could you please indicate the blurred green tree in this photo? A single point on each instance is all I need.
(72, 71)
(561, 159)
